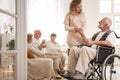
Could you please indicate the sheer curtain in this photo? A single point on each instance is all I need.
(48, 16)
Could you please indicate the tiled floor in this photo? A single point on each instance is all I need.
(8, 74)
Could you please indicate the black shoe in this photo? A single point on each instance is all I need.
(88, 73)
(78, 76)
(67, 75)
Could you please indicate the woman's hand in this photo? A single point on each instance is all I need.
(77, 29)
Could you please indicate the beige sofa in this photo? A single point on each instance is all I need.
(40, 69)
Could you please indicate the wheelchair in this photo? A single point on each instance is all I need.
(104, 66)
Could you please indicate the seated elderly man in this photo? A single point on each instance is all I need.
(80, 57)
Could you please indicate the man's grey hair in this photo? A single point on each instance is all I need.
(108, 21)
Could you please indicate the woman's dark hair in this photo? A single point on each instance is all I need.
(53, 34)
(73, 5)
(29, 36)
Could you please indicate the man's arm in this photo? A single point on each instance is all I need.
(107, 43)
(83, 35)
(42, 44)
(90, 42)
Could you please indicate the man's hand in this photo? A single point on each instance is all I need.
(42, 45)
(89, 42)
(43, 41)
(80, 30)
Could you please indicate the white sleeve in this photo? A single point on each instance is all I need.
(68, 28)
(36, 51)
(111, 38)
(35, 43)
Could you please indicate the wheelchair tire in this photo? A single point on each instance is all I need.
(109, 69)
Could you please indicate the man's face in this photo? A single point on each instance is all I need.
(38, 35)
(101, 24)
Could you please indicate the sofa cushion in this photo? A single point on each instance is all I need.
(30, 54)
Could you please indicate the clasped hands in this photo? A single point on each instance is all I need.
(77, 29)
(87, 41)
(43, 43)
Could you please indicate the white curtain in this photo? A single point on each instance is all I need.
(48, 16)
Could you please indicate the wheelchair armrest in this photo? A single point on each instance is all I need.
(104, 52)
(106, 49)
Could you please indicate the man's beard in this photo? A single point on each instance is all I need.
(100, 26)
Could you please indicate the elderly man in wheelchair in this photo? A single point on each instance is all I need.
(79, 58)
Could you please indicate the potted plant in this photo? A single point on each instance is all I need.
(11, 44)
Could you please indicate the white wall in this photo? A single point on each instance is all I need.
(91, 9)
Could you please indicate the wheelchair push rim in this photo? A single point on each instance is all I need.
(109, 69)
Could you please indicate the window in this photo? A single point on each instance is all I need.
(117, 6)
(13, 40)
(111, 8)
(104, 8)
(48, 16)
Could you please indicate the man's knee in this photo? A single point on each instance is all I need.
(74, 52)
(85, 48)
(73, 49)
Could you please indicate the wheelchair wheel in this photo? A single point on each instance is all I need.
(111, 68)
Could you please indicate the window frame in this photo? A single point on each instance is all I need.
(112, 16)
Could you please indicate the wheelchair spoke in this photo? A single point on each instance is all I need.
(111, 70)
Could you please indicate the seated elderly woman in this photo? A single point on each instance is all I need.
(54, 48)
(39, 54)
